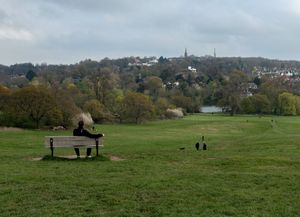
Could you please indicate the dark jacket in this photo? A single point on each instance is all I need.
(83, 132)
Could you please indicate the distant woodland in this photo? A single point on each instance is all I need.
(136, 89)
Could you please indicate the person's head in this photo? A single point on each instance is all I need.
(80, 124)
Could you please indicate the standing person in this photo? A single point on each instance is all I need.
(80, 131)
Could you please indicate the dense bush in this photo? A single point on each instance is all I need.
(97, 111)
(138, 107)
(257, 104)
(287, 104)
(174, 113)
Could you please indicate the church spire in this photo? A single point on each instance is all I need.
(185, 53)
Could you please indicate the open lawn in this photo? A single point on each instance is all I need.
(251, 168)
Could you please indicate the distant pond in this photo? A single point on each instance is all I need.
(210, 109)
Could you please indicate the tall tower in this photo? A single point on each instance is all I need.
(215, 53)
(185, 53)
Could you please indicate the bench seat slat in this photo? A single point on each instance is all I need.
(71, 141)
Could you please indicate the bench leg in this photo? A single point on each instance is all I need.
(52, 151)
(51, 147)
(97, 148)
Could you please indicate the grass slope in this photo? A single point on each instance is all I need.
(251, 168)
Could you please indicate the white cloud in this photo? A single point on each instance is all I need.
(293, 6)
(13, 34)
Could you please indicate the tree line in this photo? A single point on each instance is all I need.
(125, 90)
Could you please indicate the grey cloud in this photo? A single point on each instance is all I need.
(101, 6)
(3, 15)
(69, 30)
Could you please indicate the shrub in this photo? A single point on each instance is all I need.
(85, 117)
(174, 113)
(138, 107)
(97, 110)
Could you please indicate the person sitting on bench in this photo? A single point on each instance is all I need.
(80, 131)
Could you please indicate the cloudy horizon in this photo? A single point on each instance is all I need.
(66, 32)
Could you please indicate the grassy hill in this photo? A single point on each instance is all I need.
(251, 168)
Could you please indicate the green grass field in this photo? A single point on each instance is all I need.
(251, 168)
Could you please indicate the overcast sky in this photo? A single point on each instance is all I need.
(67, 31)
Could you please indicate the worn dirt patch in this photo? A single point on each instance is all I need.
(72, 157)
(36, 158)
(115, 158)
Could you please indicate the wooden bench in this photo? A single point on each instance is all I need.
(72, 142)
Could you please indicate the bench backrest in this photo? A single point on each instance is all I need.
(71, 141)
